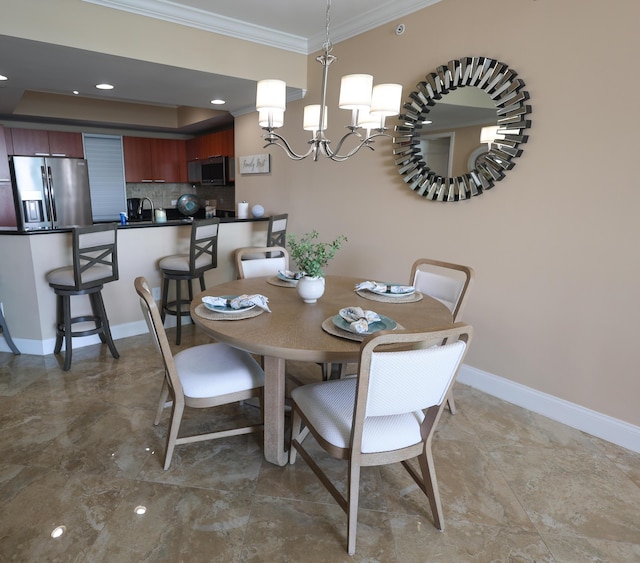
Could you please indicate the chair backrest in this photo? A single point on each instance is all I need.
(415, 374)
(277, 233)
(95, 255)
(203, 250)
(256, 261)
(156, 328)
(447, 282)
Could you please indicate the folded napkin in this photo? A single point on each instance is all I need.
(384, 287)
(290, 275)
(240, 302)
(359, 319)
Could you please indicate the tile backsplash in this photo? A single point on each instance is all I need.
(164, 194)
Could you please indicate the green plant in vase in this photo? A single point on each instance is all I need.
(311, 255)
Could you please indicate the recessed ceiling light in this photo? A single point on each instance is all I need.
(2, 77)
(104, 86)
(140, 510)
(218, 102)
(76, 92)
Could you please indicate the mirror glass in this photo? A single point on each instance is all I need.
(437, 146)
(451, 130)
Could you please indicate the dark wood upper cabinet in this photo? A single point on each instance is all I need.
(34, 142)
(148, 159)
(64, 143)
(220, 143)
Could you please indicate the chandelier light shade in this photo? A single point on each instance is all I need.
(355, 91)
(311, 118)
(370, 106)
(277, 118)
(271, 95)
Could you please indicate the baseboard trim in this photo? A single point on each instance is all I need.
(589, 421)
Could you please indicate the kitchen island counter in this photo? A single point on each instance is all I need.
(130, 225)
(30, 305)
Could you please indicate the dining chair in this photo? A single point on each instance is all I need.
(387, 414)
(95, 262)
(277, 231)
(200, 377)
(256, 261)
(448, 283)
(202, 256)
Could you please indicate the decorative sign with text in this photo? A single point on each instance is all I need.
(255, 164)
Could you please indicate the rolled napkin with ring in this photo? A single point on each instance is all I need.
(380, 287)
(359, 319)
(240, 302)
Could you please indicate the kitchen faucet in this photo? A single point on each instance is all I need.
(142, 205)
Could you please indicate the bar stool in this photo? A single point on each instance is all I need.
(95, 262)
(277, 233)
(203, 256)
(4, 330)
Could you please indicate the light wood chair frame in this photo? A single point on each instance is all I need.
(426, 479)
(173, 387)
(463, 296)
(259, 253)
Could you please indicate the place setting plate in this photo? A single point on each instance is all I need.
(411, 295)
(284, 279)
(337, 326)
(226, 312)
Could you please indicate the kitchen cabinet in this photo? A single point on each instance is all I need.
(7, 209)
(148, 159)
(35, 142)
(220, 143)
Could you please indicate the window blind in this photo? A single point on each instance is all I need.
(106, 175)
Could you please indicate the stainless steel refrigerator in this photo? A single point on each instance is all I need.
(51, 192)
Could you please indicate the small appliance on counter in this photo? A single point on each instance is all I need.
(133, 209)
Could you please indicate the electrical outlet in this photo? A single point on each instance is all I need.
(155, 291)
(174, 202)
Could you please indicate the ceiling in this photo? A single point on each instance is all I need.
(296, 25)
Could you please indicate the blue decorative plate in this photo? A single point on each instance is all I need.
(385, 323)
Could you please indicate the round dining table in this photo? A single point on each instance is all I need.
(293, 330)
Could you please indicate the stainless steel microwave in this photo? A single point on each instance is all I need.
(212, 171)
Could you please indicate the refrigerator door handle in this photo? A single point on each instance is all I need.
(46, 193)
(51, 191)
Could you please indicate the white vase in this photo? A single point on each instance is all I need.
(310, 289)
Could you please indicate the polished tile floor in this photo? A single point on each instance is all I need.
(79, 450)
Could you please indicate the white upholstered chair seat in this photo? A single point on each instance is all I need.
(65, 276)
(329, 408)
(180, 262)
(212, 370)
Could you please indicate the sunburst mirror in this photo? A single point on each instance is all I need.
(437, 144)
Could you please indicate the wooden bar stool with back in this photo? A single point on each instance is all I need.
(95, 262)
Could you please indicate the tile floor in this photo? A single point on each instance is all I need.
(78, 449)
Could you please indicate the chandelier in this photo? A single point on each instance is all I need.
(370, 106)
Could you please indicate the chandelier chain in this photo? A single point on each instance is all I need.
(328, 46)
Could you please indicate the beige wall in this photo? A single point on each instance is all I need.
(554, 245)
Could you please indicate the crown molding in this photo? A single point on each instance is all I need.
(174, 12)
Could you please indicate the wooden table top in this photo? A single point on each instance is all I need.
(293, 330)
